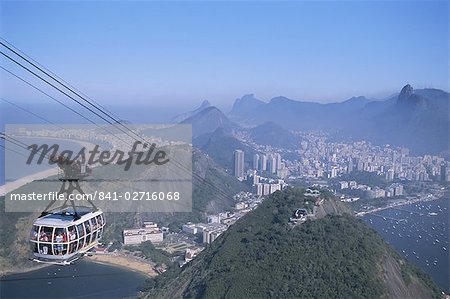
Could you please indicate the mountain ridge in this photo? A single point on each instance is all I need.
(417, 119)
(181, 117)
(207, 121)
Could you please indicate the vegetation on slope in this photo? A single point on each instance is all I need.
(263, 256)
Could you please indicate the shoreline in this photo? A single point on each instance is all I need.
(4, 273)
(14, 185)
(124, 262)
(116, 260)
(363, 213)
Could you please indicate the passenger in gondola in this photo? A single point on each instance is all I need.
(44, 249)
(59, 239)
(94, 225)
(99, 220)
(35, 235)
(88, 227)
(43, 237)
(72, 235)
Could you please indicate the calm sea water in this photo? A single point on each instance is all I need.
(82, 280)
(419, 232)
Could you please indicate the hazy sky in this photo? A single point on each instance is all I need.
(179, 53)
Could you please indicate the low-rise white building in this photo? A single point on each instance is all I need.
(136, 236)
(190, 228)
(212, 231)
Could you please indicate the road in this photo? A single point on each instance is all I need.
(425, 198)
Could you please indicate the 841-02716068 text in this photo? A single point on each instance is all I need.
(100, 195)
(139, 195)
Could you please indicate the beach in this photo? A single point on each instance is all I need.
(114, 259)
(127, 262)
(11, 186)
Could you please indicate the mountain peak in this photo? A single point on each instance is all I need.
(408, 98)
(245, 105)
(247, 97)
(406, 92)
(207, 121)
(205, 104)
(181, 117)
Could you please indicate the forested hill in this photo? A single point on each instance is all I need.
(263, 256)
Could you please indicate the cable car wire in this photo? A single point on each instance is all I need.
(55, 75)
(89, 109)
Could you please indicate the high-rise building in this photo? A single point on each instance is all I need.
(390, 175)
(266, 189)
(238, 163)
(350, 166)
(262, 162)
(255, 161)
(443, 172)
(334, 172)
(278, 160)
(259, 189)
(360, 165)
(272, 164)
(255, 178)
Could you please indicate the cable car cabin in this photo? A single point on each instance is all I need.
(61, 238)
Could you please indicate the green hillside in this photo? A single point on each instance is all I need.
(262, 256)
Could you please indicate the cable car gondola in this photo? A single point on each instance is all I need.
(64, 234)
(62, 238)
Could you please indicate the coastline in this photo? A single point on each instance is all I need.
(112, 259)
(125, 262)
(11, 186)
(433, 198)
(4, 273)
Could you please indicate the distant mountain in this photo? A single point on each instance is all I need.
(245, 106)
(417, 119)
(208, 120)
(221, 143)
(262, 256)
(270, 133)
(294, 115)
(181, 117)
(220, 146)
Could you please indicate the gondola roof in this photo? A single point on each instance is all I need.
(66, 218)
